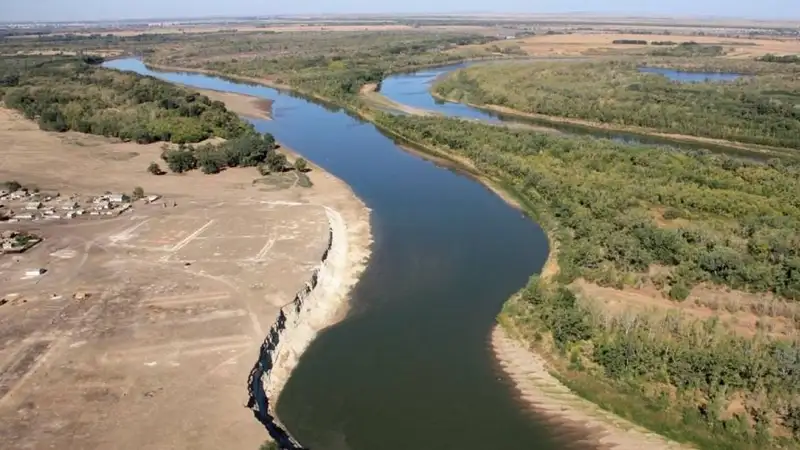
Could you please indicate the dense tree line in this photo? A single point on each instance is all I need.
(784, 59)
(72, 93)
(629, 42)
(331, 65)
(249, 150)
(616, 211)
(758, 109)
(689, 49)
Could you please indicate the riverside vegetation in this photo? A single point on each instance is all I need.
(72, 93)
(331, 65)
(758, 109)
(676, 225)
(629, 217)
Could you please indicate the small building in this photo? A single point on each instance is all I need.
(33, 206)
(70, 206)
(24, 216)
(117, 198)
(35, 272)
(71, 215)
(152, 198)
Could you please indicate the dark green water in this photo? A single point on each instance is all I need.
(410, 368)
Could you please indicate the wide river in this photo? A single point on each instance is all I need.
(411, 366)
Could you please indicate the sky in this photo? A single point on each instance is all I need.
(73, 10)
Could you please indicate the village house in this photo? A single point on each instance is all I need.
(117, 198)
(33, 206)
(70, 206)
(24, 216)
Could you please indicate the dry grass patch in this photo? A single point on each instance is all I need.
(583, 44)
(741, 312)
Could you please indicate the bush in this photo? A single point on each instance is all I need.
(679, 291)
(277, 162)
(138, 193)
(671, 214)
(301, 165)
(155, 169)
(180, 161)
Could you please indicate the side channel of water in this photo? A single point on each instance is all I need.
(413, 89)
(410, 367)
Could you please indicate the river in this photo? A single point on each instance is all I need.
(410, 367)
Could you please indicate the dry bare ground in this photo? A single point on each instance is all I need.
(181, 293)
(580, 44)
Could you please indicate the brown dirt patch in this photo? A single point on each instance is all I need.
(579, 44)
(181, 296)
(705, 302)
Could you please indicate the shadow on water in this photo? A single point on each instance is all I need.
(411, 366)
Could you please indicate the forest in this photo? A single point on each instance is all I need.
(72, 93)
(617, 212)
(758, 109)
(332, 65)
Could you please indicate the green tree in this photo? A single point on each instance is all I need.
(155, 169)
(301, 165)
(277, 162)
(180, 161)
(138, 193)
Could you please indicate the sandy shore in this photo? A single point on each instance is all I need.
(350, 226)
(547, 395)
(244, 105)
(529, 372)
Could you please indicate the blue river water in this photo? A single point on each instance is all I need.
(411, 366)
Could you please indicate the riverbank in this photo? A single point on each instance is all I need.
(323, 301)
(645, 132)
(244, 105)
(531, 373)
(455, 156)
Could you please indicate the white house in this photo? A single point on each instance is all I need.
(33, 206)
(25, 216)
(35, 272)
(116, 198)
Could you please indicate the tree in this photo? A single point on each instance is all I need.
(155, 169)
(180, 161)
(300, 165)
(138, 192)
(277, 162)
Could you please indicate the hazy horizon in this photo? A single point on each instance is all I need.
(91, 10)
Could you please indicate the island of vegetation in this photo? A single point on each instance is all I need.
(756, 109)
(674, 299)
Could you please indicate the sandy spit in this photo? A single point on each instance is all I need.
(548, 396)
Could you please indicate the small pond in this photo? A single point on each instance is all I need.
(691, 77)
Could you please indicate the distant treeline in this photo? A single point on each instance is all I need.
(629, 42)
(785, 59)
(760, 111)
(73, 93)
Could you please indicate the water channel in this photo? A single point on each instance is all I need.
(411, 366)
(413, 89)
